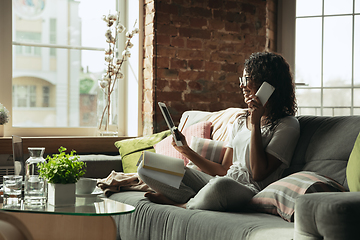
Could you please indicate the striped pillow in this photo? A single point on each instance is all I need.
(279, 197)
(210, 149)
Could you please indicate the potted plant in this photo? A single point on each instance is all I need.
(62, 171)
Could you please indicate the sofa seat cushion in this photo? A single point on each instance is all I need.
(162, 222)
(279, 197)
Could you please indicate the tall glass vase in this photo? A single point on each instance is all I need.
(107, 111)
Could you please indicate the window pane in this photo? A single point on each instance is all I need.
(357, 6)
(308, 97)
(308, 51)
(337, 60)
(356, 111)
(357, 97)
(357, 50)
(309, 111)
(308, 7)
(338, 7)
(337, 97)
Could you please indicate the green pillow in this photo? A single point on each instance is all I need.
(131, 149)
(353, 168)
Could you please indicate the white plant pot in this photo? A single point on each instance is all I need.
(61, 194)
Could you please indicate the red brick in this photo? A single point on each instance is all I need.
(232, 27)
(200, 97)
(198, 22)
(162, 39)
(168, 96)
(196, 64)
(215, 4)
(192, 54)
(167, 8)
(167, 73)
(194, 44)
(177, 42)
(235, 17)
(178, 64)
(180, 21)
(229, 67)
(215, 24)
(248, 8)
(228, 57)
(178, 85)
(162, 85)
(163, 62)
(193, 75)
(166, 51)
(195, 86)
(212, 66)
(200, 12)
(227, 47)
(163, 18)
(194, 33)
(167, 29)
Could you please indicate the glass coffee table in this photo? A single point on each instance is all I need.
(89, 218)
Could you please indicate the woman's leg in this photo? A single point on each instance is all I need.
(192, 182)
(222, 194)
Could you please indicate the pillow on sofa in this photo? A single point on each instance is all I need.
(131, 149)
(210, 149)
(279, 197)
(353, 167)
(201, 130)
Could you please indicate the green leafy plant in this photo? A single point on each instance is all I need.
(62, 167)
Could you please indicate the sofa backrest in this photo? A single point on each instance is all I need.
(325, 145)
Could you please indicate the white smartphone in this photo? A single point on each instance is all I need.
(264, 92)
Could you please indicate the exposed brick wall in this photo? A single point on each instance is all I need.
(194, 51)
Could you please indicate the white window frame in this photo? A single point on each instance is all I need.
(126, 110)
(286, 46)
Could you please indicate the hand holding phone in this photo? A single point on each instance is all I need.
(264, 92)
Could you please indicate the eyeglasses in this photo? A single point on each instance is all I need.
(244, 81)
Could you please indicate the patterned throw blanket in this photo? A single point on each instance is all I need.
(119, 181)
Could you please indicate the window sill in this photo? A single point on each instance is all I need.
(82, 145)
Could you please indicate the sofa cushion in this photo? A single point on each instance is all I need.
(210, 149)
(279, 197)
(130, 149)
(201, 130)
(353, 168)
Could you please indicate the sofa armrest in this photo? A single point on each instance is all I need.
(100, 166)
(327, 216)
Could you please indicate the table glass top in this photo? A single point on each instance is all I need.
(84, 206)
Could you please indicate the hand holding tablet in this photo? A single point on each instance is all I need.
(174, 130)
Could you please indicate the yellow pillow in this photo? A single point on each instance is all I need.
(353, 168)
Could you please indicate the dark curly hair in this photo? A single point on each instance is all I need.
(274, 69)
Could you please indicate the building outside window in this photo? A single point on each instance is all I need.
(58, 51)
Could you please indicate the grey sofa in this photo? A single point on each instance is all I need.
(324, 147)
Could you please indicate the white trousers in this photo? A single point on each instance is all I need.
(202, 191)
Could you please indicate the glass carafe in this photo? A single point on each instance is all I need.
(35, 189)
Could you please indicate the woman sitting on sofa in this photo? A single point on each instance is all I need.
(260, 146)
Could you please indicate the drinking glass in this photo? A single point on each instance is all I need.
(12, 190)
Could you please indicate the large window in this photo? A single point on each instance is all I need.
(326, 53)
(57, 59)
